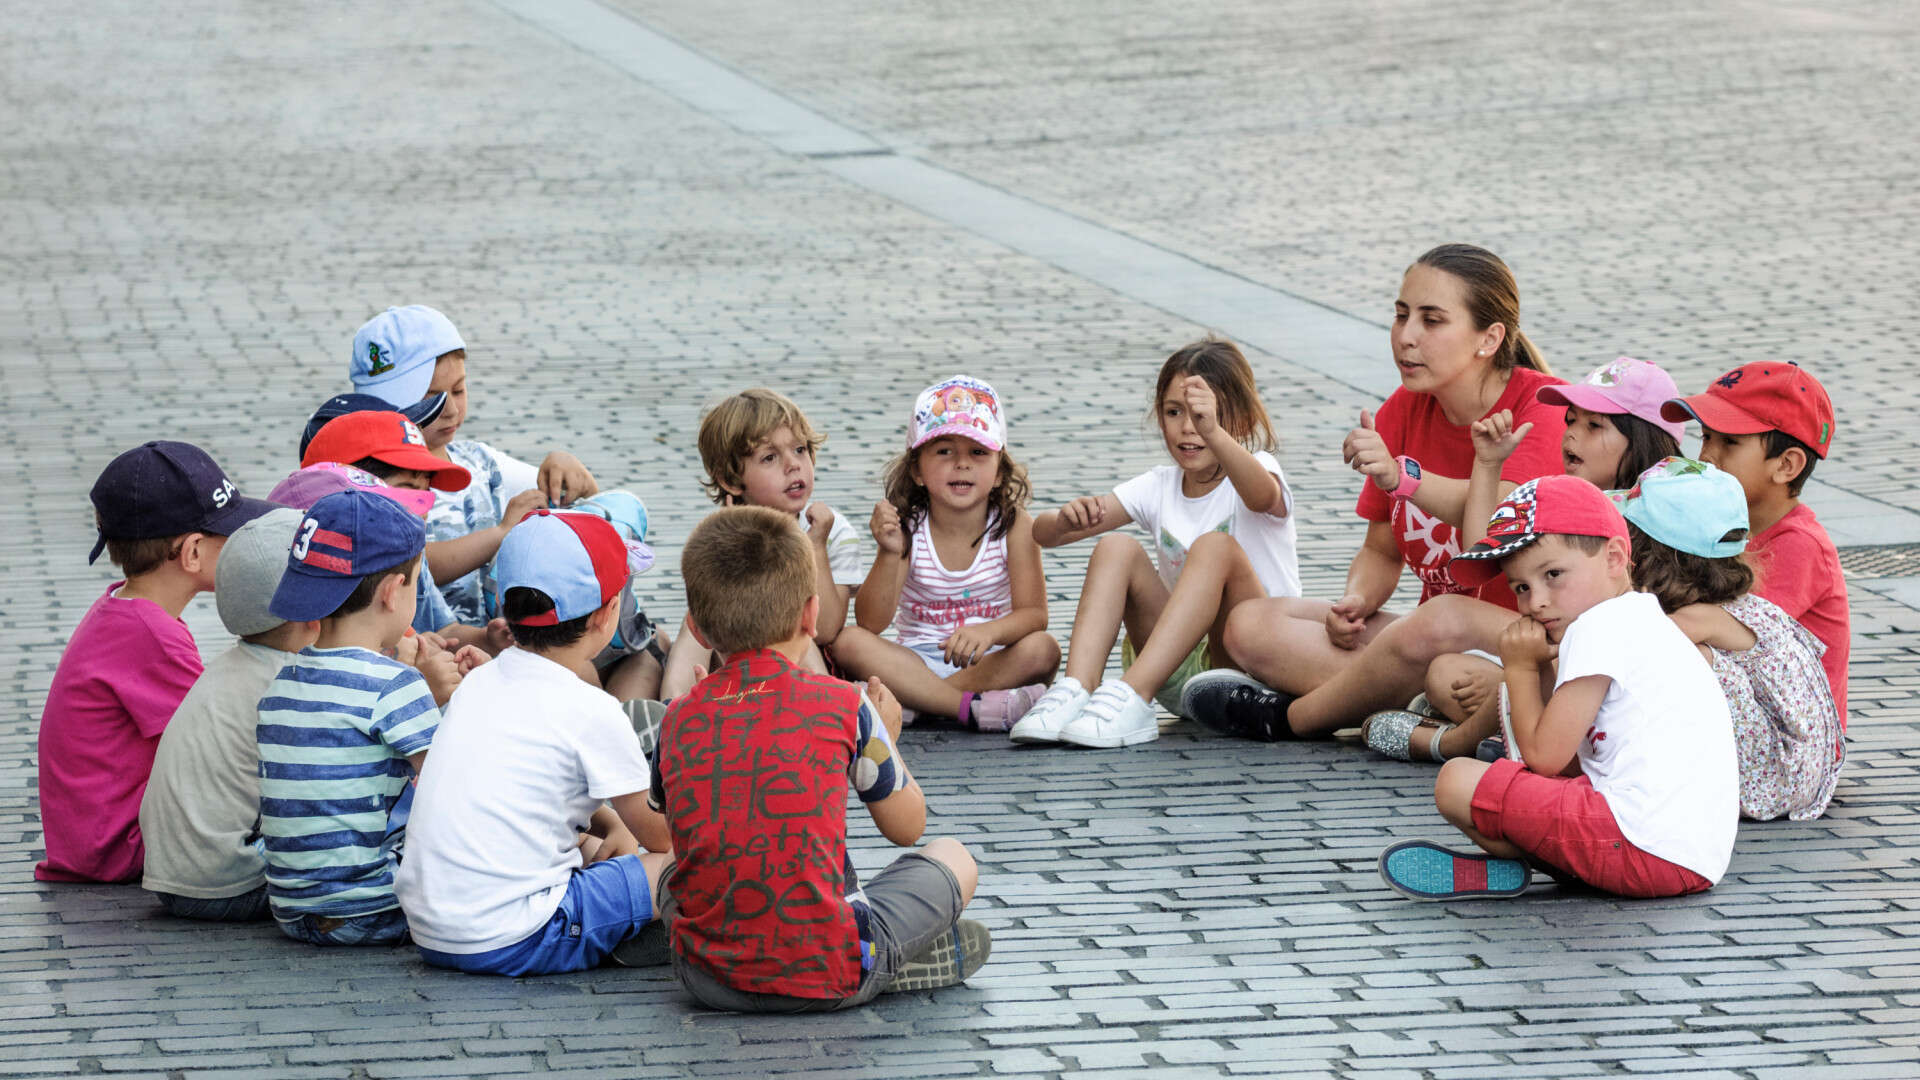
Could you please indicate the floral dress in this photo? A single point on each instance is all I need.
(1786, 727)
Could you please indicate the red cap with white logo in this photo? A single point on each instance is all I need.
(386, 437)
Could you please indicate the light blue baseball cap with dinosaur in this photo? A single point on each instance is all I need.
(393, 353)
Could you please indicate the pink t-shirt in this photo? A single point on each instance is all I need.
(125, 670)
(1797, 568)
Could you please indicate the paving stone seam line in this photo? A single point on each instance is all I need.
(1290, 328)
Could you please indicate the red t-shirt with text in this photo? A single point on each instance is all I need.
(1412, 424)
(1799, 570)
(752, 772)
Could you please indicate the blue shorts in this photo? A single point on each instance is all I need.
(605, 904)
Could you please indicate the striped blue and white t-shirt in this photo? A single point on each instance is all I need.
(336, 729)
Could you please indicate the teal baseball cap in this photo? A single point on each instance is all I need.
(1689, 506)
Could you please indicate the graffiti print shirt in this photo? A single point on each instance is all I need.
(1412, 424)
(752, 773)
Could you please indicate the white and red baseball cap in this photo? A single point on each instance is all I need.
(580, 561)
(1547, 506)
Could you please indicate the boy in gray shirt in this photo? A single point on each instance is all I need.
(201, 811)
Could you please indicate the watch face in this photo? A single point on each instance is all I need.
(1411, 467)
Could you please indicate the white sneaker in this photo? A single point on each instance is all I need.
(1114, 716)
(1055, 709)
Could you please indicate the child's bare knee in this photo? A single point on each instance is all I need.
(1441, 675)
(954, 856)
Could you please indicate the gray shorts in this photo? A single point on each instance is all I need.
(909, 904)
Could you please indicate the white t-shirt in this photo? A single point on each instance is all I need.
(843, 550)
(1174, 522)
(1661, 751)
(201, 812)
(525, 754)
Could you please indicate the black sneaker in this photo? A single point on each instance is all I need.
(1237, 704)
(648, 948)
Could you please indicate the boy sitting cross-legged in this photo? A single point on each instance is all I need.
(1630, 782)
(759, 449)
(516, 863)
(762, 908)
(343, 727)
(201, 812)
(164, 510)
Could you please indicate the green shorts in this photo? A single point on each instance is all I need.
(1169, 695)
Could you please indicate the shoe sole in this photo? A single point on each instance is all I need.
(1112, 742)
(1423, 870)
(948, 960)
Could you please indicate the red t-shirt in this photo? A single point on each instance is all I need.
(125, 670)
(752, 772)
(1799, 570)
(1412, 424)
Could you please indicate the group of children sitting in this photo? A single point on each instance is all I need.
(446, 719)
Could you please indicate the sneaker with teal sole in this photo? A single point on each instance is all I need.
(1423, 870)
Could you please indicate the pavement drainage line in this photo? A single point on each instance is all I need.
(1339, 346)
(1332, 343)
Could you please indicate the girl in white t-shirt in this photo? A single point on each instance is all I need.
(1221, 524)
(958, 573)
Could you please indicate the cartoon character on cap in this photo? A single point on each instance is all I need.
(959, 405)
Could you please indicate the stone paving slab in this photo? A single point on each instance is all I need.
(197, 207)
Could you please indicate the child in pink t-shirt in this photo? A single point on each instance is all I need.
(1768, 423)
(164, 511)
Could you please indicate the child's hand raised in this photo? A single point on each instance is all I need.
(819, 523)
(1201, 405)
(440, 669)
(1083, 513)
(468, 657)
(499, 636)
(1367, 452)
(1524, 644)
(1495, 438)
(886, 529)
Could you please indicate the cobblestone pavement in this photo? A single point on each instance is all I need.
(198, 205)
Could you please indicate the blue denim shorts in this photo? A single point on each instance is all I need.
(605, 904)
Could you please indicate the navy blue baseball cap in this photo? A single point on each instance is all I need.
(422, 412)
(344, 537)
(164, 488)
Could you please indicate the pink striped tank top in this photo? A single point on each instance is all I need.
(936, 601)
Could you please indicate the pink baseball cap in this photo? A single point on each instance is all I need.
(958, 405)
(1629, 386)
(316, 482)
(1547, 506)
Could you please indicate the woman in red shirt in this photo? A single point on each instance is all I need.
(1320, 665)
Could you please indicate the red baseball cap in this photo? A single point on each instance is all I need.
(1766, 395)
(386, 437)
(1548, 506)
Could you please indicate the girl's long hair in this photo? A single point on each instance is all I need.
(1647, 445)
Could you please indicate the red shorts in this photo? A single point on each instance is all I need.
(1563, 822)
